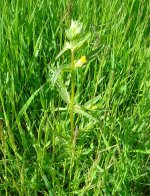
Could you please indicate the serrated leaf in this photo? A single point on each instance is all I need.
(67, 46)
(62, 91)
(58, 73)
(80, 110)
(78, 44)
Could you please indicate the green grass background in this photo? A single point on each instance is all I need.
(112, 156)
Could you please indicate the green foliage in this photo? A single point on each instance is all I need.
(110, 151)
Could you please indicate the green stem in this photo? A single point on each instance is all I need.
(72, 110)
(72, 95)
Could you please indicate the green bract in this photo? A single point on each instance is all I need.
(77, 38)
(74, 30)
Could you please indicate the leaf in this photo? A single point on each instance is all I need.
(80, 110)
(90, 104)
(56, 80)
(63, 91)
(27, 104)
(78, 44)
(94, 54)
(142, 151)
(67, 46)
(47, 184)
(59, 71)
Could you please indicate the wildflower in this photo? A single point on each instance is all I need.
(81, 61)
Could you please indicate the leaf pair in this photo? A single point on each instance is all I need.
(74, 45)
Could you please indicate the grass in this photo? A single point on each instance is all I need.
(111, 155)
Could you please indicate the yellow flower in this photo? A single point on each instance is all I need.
(81, 61)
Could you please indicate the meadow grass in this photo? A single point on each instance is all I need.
(112, 153)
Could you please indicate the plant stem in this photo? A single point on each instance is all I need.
(72, 96)
(71, 111)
